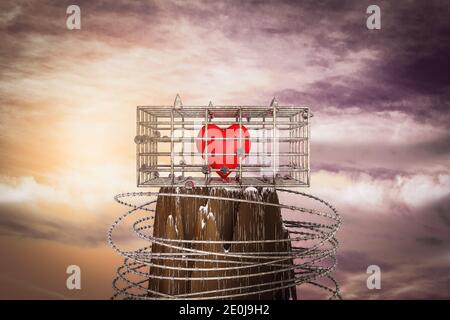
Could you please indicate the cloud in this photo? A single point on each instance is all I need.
(39, 222)
(15, 220)
(372, 194)
(421, 280)
(85, 186)
(391, 241)
(71, 207)
(429, 241)
(26, 286)
(399, 73)
(380, 138)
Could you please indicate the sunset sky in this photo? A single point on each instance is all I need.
(380, 146)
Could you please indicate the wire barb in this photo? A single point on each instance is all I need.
(310, 258)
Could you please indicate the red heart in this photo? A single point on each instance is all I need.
(216, 144)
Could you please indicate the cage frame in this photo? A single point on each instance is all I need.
(294, 119)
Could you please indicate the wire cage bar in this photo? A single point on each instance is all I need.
(271, 145)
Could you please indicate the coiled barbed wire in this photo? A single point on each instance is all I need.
(308, 263)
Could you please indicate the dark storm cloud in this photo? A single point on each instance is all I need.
(437, 146)
(429, 241)
(382, 160)
(371, 94)
(442, 211)
(410, 71)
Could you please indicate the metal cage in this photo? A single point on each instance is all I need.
(269, 147)
(167, 150)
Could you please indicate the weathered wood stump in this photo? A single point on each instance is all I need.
(183, 218)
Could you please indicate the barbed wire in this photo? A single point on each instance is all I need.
(307, 256)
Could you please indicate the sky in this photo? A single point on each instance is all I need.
(380, 145)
